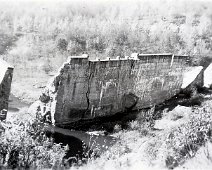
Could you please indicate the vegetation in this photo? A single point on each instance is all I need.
(110, 28)
(25, 145)
(187, 139)
(45, 33)
(37, 37)
(186, 134)
(144, 144)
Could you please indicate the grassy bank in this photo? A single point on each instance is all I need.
(181, 139)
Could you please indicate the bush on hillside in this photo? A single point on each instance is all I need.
(108, 30)
(62, 44)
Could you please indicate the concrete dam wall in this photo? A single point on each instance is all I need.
(85, 89)
(6, 73)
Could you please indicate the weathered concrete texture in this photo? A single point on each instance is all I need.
(86, 89)
(5, 83)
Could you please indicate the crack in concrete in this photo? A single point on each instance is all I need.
(87, 94)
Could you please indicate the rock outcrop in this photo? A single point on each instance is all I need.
(85, 89)
(6, 73)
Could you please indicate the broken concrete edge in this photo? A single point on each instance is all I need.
(133, 56)
(208, 77)
(6, 73)
(51, 91)
(197, 76)
(190, 76)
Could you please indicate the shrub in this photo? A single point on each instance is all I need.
(184, 141)
(62, 44)
(25, 145)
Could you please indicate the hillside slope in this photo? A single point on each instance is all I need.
(49, 32)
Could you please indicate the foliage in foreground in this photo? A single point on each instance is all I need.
(26, 146)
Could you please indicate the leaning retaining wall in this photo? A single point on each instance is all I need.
(6, 73)
(85, 88)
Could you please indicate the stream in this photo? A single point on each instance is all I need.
(80, 142)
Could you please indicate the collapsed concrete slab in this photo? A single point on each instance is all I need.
(85, 89)
(193, 77)
(6, 73)
(208, 76)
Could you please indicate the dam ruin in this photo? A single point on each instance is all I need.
(6, 73)
(85, 89)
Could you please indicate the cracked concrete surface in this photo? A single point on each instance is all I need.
(6, 73)
(85, 89)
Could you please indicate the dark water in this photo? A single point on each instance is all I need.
(81, 144)
(73, 139)
(77, 151)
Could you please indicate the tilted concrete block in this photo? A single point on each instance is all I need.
(6, 74)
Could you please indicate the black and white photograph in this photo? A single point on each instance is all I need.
(106, 84)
